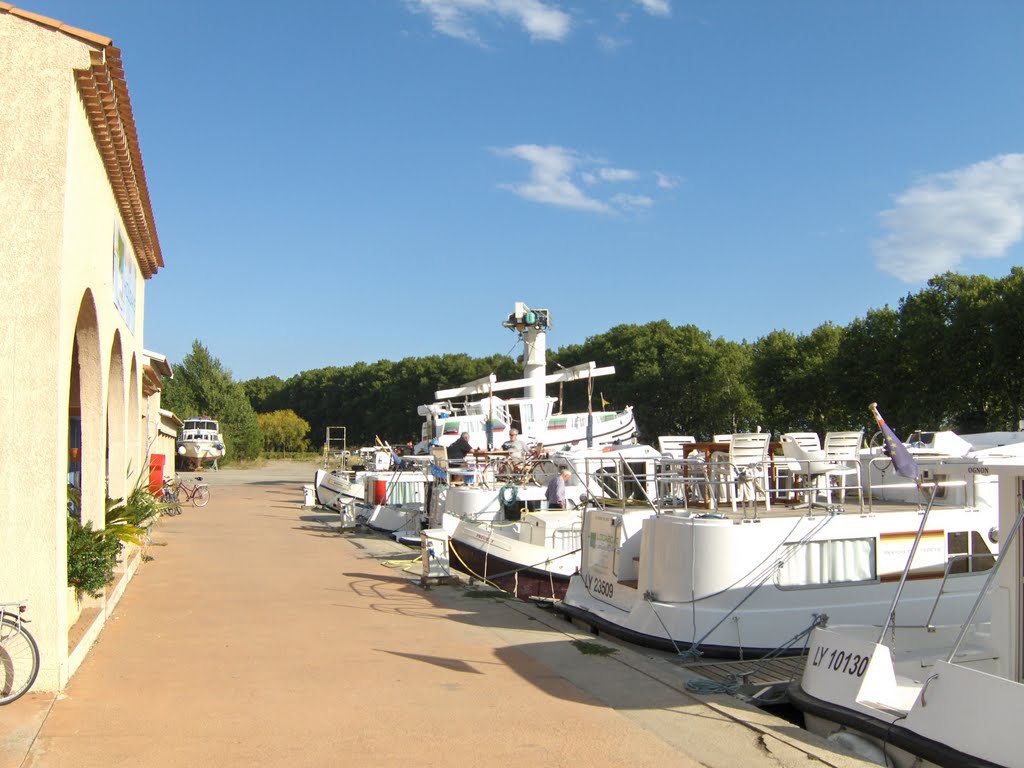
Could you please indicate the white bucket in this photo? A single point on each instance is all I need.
(309, 499)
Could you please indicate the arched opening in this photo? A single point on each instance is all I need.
(86, 443)
(117, 457)
(136, 439)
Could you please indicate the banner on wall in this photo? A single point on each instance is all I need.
(124, 277)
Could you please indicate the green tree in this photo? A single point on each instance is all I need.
(866, 369)
(1007, 322)
(202, 386)
(678, 379)
(263, 392)
(283, 431)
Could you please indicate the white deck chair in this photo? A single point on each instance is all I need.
(675, 445)
(675, 448)
(742, 473)
(788, 470)
(843, 450)
(807, 461)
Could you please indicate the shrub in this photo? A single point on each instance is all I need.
(91, 557)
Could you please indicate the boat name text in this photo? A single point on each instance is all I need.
(840, 661)
(598, 586)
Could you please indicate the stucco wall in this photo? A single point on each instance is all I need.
(56, 248)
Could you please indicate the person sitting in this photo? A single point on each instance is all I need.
(515, 445)
(458, 450)
(555, 493)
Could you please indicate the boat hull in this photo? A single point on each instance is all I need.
(738, 588)
(335, 491)
(194, 453)
(496, 554)
(513, 577)
(909, 699)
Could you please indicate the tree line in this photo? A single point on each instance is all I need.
(950, 356)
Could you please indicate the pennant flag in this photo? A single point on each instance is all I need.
(904, 463)
(604, 403)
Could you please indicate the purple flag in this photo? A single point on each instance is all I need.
(904, 463)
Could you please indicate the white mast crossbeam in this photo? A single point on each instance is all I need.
(489, 384)
(475, 387)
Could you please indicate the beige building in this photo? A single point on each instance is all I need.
(77, 244)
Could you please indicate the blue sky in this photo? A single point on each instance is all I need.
(337, 182)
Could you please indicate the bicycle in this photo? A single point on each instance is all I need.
(539, 469)
(19, 654)
(168, 500)
(198, 493)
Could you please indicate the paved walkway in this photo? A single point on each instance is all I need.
(259, 636)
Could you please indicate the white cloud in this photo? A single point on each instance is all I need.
(611, 44)
(541, 20)
(625, 201)
(551, 170)
(656, 7)
(977, 211)
(557, 173)
(665, 181)
(616, 174)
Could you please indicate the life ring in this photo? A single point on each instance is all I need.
(508, 495)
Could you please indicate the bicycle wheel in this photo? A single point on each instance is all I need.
(19, 660)
(201, 495)
(543, 470)
(505, 470)
(168, 503)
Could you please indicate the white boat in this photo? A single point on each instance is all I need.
(336, 489)
(933, 696)
(199, 442)
(505, 534)
(752, 581)
(488, 418)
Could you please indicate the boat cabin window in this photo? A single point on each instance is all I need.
(968, 552)
(815, 563)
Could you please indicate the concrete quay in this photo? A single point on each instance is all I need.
(259, 635)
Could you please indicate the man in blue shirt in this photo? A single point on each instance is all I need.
(555, 493)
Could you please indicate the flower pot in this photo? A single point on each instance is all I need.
(74, 606)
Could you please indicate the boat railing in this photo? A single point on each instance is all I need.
(988, 560)
(692, 482)
(616, 481)
(683, 483)
(900, 489)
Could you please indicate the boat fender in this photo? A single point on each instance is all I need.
(861, 746)
(508, 495)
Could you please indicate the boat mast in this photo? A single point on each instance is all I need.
(532, 326)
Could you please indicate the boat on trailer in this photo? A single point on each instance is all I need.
(752, 581)
(934, 695)
(199, 442)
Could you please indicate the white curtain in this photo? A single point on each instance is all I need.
(827, 562)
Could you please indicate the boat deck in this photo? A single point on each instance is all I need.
(764, 681)
(852, 506)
